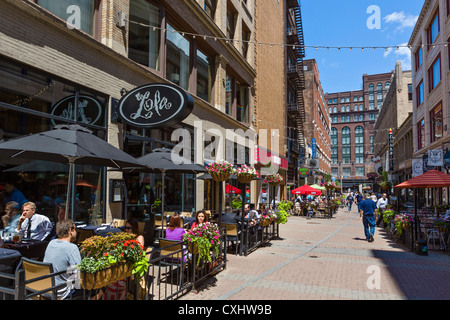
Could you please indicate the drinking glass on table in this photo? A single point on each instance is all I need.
(16, 237)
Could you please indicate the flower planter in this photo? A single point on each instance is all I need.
(102, 278)
(193, 248)
(264, 223)
(273, 184)
(220, 176)
(245, 178)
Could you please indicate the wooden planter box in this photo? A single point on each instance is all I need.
(102, 278)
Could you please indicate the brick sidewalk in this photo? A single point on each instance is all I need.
(329, 259)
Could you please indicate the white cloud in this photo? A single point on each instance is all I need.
(402, 53)
(400, 18)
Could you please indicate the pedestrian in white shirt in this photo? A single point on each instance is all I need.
(381, 206)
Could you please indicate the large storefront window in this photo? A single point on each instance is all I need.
(145, 189)
(32, 102)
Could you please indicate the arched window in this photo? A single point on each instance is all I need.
(359, 144)
(343, 109)
(348, 109)
(335, 109)
(346, 145)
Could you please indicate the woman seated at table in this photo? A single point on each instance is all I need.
(200, 217)
(132, 226)
(174, 231)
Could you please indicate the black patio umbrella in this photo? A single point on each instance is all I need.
(70, 144)
(163, 160)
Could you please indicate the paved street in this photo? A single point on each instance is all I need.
(323, 259)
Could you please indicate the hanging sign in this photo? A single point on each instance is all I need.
(89, 109)
(436, 157)
(155, 105)
(417, 167)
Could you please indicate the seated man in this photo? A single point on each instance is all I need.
(11, 217)
(63, 253)
(32, 225)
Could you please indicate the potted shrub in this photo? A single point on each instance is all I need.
(220, 170)
(204, 239)
(402, 222)
(443, 224)
(385, 184)
(388, 215)
(109, 259)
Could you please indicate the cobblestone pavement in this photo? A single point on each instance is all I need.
(329, 259)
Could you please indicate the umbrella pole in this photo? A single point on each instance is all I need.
(69, 188)
(219, 216)
(163, 174)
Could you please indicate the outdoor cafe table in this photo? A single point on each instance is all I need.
(102, 230)
(28, 248)
(9, 260)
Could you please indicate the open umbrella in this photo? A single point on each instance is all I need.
(70, 144)
(315, 186)
(233, 189)
(162, 160)
(306, 190)
(430, 179)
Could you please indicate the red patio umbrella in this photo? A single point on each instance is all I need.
(306, 190)
(233, 189)
(430, 179)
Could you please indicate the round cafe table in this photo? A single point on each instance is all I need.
(32, 249)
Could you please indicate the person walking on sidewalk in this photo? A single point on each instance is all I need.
(350, 201)
(381, 206)
(367, 214)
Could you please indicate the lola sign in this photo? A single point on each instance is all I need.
(155, 105)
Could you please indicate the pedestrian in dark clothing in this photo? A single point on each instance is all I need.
(367, 213)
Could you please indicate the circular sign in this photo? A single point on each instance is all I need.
(89, 109)
(155, 105)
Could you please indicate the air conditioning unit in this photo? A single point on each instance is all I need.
(313, 164)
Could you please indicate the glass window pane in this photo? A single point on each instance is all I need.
(145, 42)
(204, 76)
(178, 56)
(62, 10)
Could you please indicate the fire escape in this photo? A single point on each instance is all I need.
(295, 72)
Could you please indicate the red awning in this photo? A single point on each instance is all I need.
(307, 190)
(430, 179)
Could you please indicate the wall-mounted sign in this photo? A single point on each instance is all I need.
(436, 157)
(155, 105)
(89, 111)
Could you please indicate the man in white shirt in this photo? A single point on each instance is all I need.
(381, 206)
(32, 225)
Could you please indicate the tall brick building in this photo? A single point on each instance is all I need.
(353, 115)
(318, 122)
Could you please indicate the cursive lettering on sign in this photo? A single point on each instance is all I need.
(149, 104)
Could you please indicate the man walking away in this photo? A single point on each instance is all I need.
(367, 213)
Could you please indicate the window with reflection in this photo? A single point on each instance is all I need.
(205, 68)
(86, 10)
(145, 38)
(436, 123)
(178, 58)
(34, 102)
(359, 144)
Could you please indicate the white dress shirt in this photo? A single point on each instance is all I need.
(40, 227)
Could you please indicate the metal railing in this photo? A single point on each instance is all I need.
(168, 276)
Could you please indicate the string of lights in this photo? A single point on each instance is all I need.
(294, 46)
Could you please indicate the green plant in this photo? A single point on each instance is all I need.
(282, 212)
(237, 204)
(388, 215)
(402, 221)
(385, 184)
(220, 166)
(206, 237)
(103, 252)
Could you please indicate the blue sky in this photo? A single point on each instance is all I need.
(344, 23)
